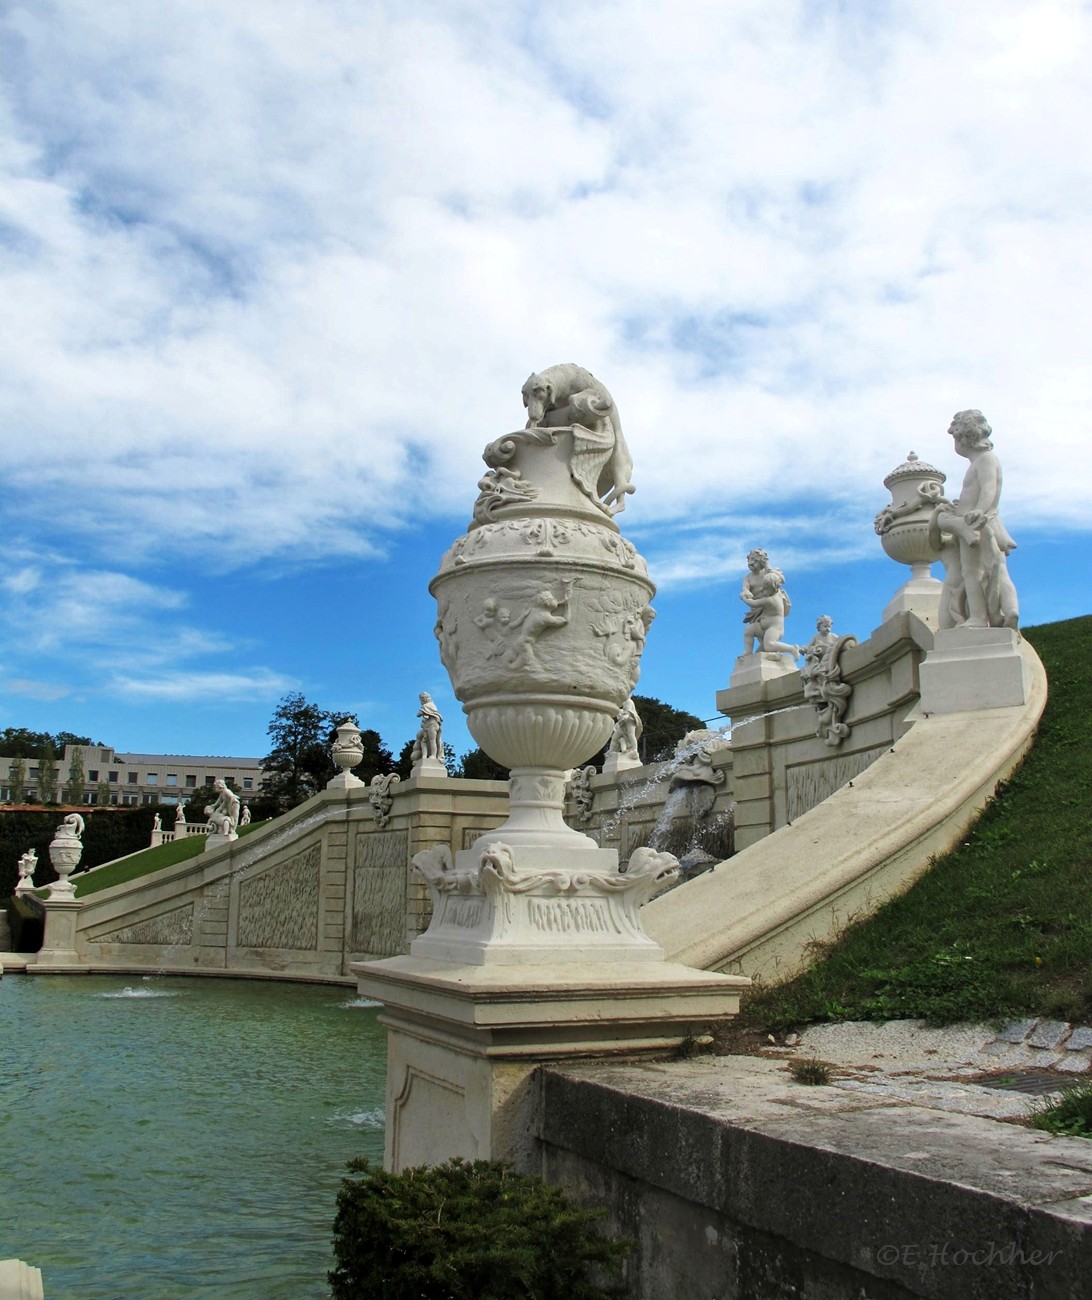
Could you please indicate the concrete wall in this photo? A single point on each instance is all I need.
(300, 898)
(745, 1190)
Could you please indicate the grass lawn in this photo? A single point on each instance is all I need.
(1002, 925)
(141, 864)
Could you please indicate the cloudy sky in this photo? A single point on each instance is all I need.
(272, 273)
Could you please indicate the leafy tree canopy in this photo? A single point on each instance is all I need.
(476, 765)
(299, 763)
(19, 742)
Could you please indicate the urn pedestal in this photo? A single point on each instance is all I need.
(536, 949)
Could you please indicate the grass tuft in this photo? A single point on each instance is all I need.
(1070, 1114)
(813, 1072)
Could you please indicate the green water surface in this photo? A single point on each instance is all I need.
(167, 1137)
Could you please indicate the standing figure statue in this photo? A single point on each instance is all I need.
(28, 864)
(223, 815)
(973, 542)
(627, 731)
(764, 623)
(157, 823)
(428, 743)
(180, 815)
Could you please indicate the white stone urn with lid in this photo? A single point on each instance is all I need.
(65, 851)
(903, 529)
(542, 613)
(347, 753)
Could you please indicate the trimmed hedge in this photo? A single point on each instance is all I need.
(467, 1231)
(110, 833)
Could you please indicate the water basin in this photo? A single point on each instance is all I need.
(169, 1137)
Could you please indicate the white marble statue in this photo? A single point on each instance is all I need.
(28, 864)
(627, 731)
(223, 814)
(821, 676)
(244, 819)
(157, 823)
(768, 601)
(180, 815)
(973, 542)
(568, 395)
(428, 742)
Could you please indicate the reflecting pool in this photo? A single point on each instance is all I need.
(168, 1137)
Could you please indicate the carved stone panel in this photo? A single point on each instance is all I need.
(169, 929)
(279, 908)
(811, 783)
(379, 894)
(471, 833)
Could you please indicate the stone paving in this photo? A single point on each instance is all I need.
(949, 1068)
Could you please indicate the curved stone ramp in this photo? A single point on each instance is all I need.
(765, 912)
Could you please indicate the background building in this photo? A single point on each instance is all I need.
(140, 778)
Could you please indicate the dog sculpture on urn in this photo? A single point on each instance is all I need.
(570, 395)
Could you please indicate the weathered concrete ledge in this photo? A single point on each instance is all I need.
(748, 1186)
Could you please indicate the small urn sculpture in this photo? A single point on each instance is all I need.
(903, 529)
(543, 609)
(65, 852)
(347, 753)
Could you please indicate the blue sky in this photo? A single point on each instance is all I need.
(272, 274)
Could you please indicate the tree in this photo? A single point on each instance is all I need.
(476, 765)
(73, 790)
(102, 795)
(18, 742)
(299, 764)
(377, 757)
(17, 779)
(47, 774)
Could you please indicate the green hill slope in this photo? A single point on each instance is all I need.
(1002, 925)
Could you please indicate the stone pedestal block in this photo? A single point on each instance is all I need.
(762, 667)
(920, 596)
(464, 1041)
(58, 954)
(19, 1281)
(973, 668)
(214, 840)
(431, 767)
(614, 763)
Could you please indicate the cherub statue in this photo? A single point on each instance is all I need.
(627, 731)
(973, 542)
(764, 592)
(28, 864)
(428, 743)
(223, 815)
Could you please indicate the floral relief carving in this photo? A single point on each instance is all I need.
(499, 487)
(279, 908)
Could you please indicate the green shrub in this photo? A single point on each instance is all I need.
(813, 1072)
(1069, 1114)
(466, 1231)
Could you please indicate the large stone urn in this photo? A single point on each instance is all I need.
(542, 613)
(535, 950)
(903, 529)
(65, 851)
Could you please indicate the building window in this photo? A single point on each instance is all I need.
(32, 774)
(132, 778)
(93, 775)
(248, 783)
(112, 777)
(172, 778)
(152, 778)
(191, 782)
(148, 798)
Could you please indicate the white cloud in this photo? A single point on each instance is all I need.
(276, 273)
(194, 687)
